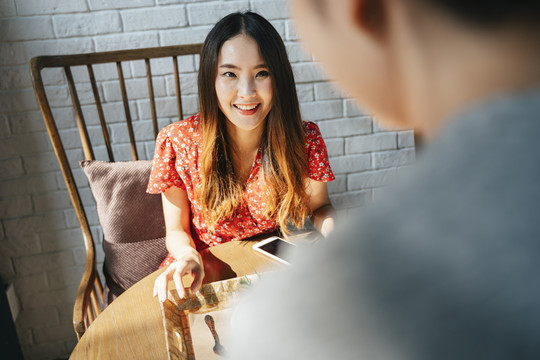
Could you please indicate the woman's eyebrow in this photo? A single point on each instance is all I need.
(231, 66)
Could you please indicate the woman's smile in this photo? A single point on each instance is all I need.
(248, 109)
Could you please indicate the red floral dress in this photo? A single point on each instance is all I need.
(176, 163)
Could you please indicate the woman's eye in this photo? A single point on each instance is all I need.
(229, 74)
(263, 73)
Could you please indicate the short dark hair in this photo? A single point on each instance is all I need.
(491, 12)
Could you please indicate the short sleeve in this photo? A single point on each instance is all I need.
(164, 174)
(318, 164)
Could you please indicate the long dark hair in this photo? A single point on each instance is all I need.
(284, 164)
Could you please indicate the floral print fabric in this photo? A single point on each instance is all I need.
(176, 163)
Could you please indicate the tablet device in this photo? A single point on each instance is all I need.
(275, 248)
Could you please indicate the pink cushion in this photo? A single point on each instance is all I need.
(132, 221)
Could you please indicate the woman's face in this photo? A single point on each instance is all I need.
(243, 83)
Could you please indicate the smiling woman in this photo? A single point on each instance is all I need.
(247, 163)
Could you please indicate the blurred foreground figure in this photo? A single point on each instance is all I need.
(446, 266)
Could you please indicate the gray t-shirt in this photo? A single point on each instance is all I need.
(446, 267)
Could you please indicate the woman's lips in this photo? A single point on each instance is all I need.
(248, 109)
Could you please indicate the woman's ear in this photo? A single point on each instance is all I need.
(370, 16)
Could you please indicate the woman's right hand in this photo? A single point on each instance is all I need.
(190, 262)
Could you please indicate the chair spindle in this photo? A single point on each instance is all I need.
(151, 95)
(177, 85)
(83, 131)
(126, 110)
(97, 99)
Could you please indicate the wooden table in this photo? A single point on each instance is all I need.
(132, 326)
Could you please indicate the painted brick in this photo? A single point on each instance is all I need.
(58, 47)
(64, 277)
(40, 163)
(59, 96)
(296, 52)
(327, 91)
(18, 100)
(345, 127)
(24, 226)
(379, 127)
(62, 299)
(353, 109)
(166, 107)
(393, 158)
(308, 72)
(372, 142)
(43, 315)
(31, 284)
(94, 23)
(5, 130)
(405, 139)
(10, 168)
(24, 144)
(15, 207)
(212, 12)
(191, 35)
(350, 163)
(188, 85)
(334, 147)
(113, 112)
(291, 33)
(127, 41)
(154, 18)
(29, 184)
(44, 262)
(21, 246)
(370, 179)
(51, 201)
(25, 7)
(351, 199)
(321, 110)
(7, 8)
(27, 122)
(118, 4)
(44, 351)
(102, 72)
(142, 130)
(164, 66)
(305, 92)
(338, 185)
(54, 76)
(12, 54)
(53, 333)
(6, 268)
(277, 9)
(26, 28)
(135, 89)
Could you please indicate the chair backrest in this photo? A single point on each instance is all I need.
(187, 338)
(91, 82)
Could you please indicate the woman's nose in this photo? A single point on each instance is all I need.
(246, 88)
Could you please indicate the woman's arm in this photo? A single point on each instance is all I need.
(322, 211)
(180, 245)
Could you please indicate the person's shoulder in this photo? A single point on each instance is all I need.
(183, 129)
(311, 129)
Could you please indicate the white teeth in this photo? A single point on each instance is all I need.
(246, 107)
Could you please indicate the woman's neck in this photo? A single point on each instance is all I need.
(244, 141)
(244, 145)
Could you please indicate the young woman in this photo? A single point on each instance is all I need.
(246, 164)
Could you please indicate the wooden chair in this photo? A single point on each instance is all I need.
(89, 298)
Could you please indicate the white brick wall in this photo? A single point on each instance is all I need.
(41, 249)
